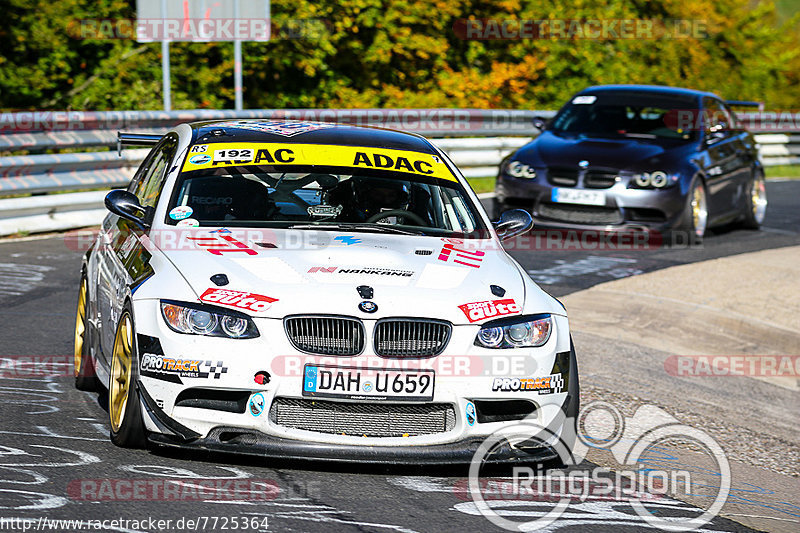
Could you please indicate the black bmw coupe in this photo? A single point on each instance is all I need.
(636, 157)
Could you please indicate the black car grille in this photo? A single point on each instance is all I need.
(579, 214)
(599, 180)
(359, 419)
(411, 337)
(565, 177)
(326, 335)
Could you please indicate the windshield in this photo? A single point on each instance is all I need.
(323, 198)
(633, 115)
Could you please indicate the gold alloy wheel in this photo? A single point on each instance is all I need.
(121, 371)
(80, 327)
(699, 210)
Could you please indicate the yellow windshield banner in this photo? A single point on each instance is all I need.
(206, 156)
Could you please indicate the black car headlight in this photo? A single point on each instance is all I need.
(520, 170)
(658, 179)
(523, 332)
(196, 319)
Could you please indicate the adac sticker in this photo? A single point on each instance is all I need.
(256, 404)
(279, 154)
(477, 311)
(469, 412)
(244, 301)
(181, 212)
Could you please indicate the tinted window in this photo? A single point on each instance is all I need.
(150, 179)
(625, 114)
(267, 196)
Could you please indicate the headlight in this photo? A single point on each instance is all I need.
(520, 170)
(528, 333)
(195, 319)
(653, 180)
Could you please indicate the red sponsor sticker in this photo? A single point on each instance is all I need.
(461, 256)
(246, 301)
(477, 311)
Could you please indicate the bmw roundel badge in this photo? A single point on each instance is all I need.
(368, 307)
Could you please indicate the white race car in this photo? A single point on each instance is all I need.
(316, 291)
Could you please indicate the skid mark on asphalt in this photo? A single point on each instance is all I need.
(17, 279)
(609, 267)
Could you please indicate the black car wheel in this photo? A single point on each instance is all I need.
(756, 208)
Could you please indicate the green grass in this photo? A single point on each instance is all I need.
(783, 171)
(480, 185)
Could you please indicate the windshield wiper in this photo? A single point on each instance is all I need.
(360, 227)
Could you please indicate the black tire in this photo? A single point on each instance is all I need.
(129, 430)
(690, 230)
(83, 365)
(753, 212)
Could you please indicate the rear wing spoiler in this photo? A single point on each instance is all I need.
(136, 139)
(745, 103)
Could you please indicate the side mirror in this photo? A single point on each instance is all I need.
(513, 223)
(714, 137)
(126, 205)
(540, 123)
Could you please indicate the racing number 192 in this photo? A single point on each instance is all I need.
(233, 154)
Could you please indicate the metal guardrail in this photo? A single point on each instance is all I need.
(476, 140)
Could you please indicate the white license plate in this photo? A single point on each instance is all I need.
(322, 381)
(578, 196)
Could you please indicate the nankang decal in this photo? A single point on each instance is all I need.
(360, 271)
(477, 311)
(551, 384)
(157, 366)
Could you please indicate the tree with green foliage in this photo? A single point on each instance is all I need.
(402, 53)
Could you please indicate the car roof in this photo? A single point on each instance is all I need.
(306, 132)
(654, 89)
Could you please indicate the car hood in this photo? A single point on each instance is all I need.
(553, 150)
(319, 272)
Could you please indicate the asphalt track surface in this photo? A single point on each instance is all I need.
(53, 437)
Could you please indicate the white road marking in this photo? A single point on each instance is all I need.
(17, 279)
(609, 266)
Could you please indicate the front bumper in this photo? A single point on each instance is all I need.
(261, 445)
(174, 422)
(625, 209)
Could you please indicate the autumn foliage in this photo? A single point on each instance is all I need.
(402, 53)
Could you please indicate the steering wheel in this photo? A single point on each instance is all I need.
(400, 213)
